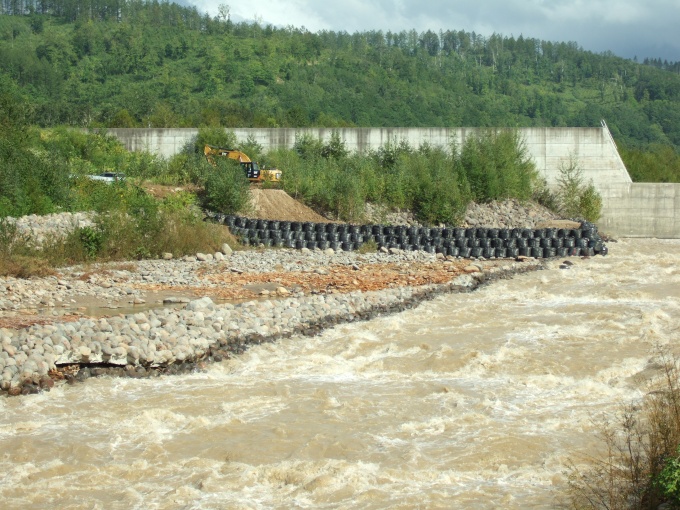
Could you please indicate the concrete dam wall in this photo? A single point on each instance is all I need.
(629, 209)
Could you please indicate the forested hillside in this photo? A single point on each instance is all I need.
(134, 63)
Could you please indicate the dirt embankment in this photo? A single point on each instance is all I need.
(276, 204)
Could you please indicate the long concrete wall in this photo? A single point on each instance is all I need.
(629, 209)
(549, 147)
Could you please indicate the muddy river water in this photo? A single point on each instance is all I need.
(468, 401)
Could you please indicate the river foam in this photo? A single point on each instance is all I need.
(470, 400)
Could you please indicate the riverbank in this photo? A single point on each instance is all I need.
(287, 293)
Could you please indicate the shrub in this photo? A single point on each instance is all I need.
(227, 189)
(91, 240)
(497, 165)
(543, 195)
(668, 481)
(577, 199)
(640, 468)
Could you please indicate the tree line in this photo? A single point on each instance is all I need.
(138, 63)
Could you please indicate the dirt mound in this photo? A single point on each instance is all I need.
(276, 204)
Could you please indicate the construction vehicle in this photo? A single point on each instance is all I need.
(251, 168)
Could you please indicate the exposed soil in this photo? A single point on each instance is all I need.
(335, 278)
(276, 204)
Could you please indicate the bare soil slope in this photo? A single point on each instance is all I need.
(276, 204)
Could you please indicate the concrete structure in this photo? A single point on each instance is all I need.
(641, 210)
(550, 148)
(629, 209)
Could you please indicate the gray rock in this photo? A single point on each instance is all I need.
(205, 303)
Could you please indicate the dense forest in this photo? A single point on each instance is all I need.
(140, 63)
(120, 63)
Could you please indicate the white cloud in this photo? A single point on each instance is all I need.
(626, 27)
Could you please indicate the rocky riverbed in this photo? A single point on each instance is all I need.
(291, 292)
(162, 316)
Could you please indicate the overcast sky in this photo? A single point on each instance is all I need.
(642, 28)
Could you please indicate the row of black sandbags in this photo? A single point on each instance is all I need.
(452, 241)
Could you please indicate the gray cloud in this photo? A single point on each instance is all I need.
(626, 27)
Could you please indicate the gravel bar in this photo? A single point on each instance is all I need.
(168, 340)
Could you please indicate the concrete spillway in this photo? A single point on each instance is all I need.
(629, 209)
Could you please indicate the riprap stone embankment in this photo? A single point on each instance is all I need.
(156, 341)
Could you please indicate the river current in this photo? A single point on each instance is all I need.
(468, 401)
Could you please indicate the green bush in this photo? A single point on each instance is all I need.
(668, 481)
(497, 166)
(227, 189)
(577, 199)
(91, 240)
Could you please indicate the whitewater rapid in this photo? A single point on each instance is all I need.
(473, 400)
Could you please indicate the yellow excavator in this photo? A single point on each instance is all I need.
(251, 168)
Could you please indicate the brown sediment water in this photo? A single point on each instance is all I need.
(468, 401)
